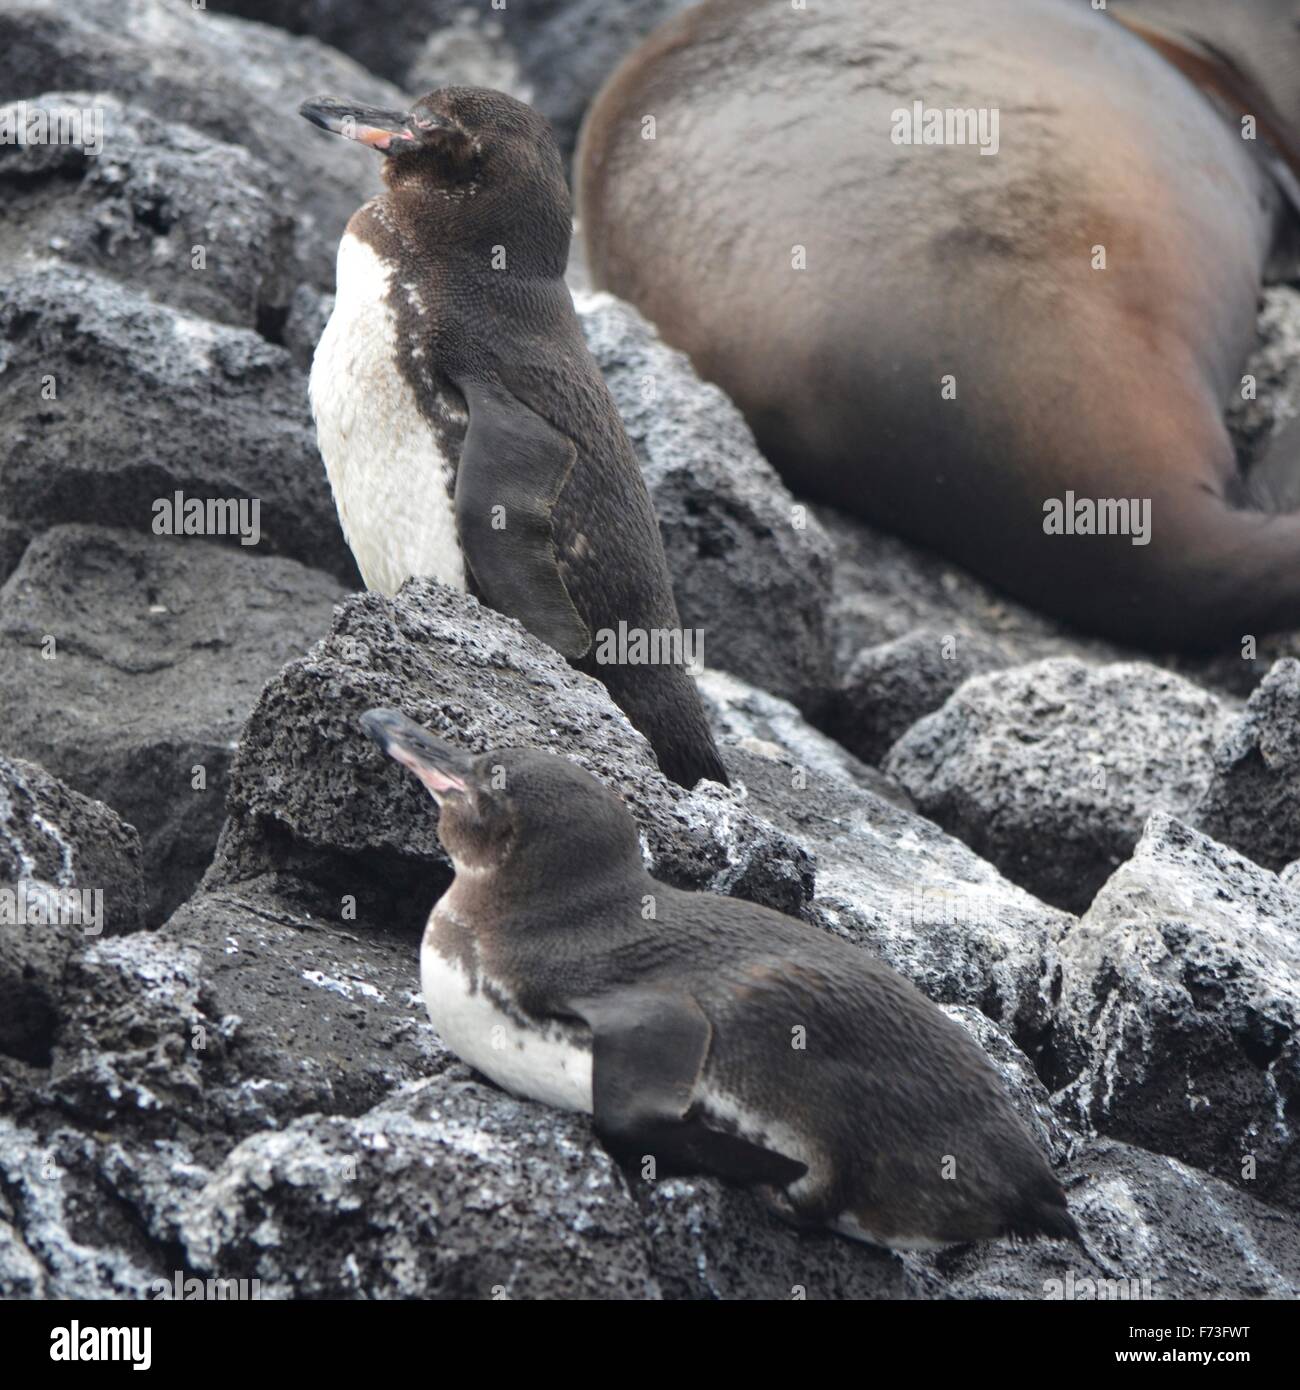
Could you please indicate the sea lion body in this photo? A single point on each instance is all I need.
(973, 336)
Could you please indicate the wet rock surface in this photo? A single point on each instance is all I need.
(235, 1078)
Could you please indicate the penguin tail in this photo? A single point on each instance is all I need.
(1047, 1216)
(664, 704)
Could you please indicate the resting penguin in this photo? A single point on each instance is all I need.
(712, 1034)
(988, 353)
(466, 430)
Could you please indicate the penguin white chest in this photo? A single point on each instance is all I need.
(538, 1061)
(392, 485)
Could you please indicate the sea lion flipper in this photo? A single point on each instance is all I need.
(649, 1049)
(513, 467)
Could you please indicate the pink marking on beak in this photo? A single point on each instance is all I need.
(432, 778)
(380, 139)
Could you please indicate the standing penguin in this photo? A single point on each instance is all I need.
(710, 1033)
(466, 430)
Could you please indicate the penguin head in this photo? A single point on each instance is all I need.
(513, 807)
(470, 155)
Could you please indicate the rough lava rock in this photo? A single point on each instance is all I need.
(554, 54)
(129, 660)
(1253, 800)
(1177, 1025)
(311, 795)
(252, 1090)
(112, 402)
(447, 1190)
(138, 209)
(238, 82)
(886, 878)
(54, 842)
(1154, 1229)
(751, 568)
(1050, 770)
(888, 688)
(52, 835)
(308, 1012)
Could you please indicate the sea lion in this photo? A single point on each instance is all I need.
(1014, 347)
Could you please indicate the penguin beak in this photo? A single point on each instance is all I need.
(443, 768)
(371, 125)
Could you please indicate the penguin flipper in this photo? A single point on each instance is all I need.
(648, 1053)
(513, 467)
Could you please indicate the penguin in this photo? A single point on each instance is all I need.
(466, 430)
(709, 1033)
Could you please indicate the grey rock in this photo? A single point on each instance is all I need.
(750, 567)
(1275, 367)
(50, 834)
(555, 54)
(130, 660)
(468, 49)
(49, 1189)
(54, 846)
(1253, 800)
(240, 83)
(150, 401)
(137, 210)
(1028, 1095)
(13, 541)
(310, 795)
(709, 1241)
(888, 688)
(1155, 1229)
(309, 312)
(754, 722)
(886, 878)
(1178, 1011)
(1050, 770)
(125, 1055)
(447, 1190)
(303, 1012)
(884, 589)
